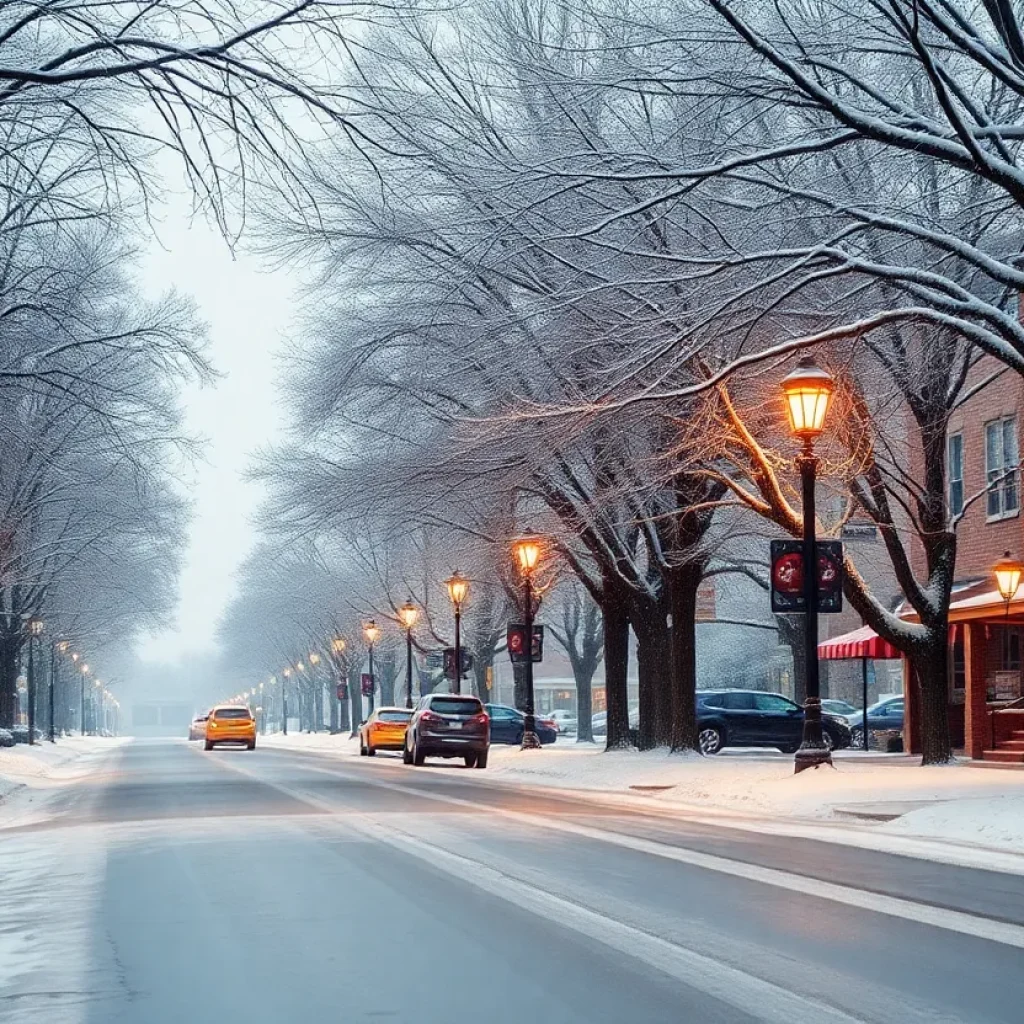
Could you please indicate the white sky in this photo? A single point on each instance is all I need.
(247, 312)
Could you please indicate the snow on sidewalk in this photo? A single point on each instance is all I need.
(48, 764)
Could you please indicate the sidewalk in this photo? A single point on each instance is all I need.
(884, 795)
(26, 771)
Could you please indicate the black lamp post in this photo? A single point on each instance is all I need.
(408, 614)
(372, 633)
(458, 588)
(808, 391)
(285, 675)
(35, 630)
(528, 549)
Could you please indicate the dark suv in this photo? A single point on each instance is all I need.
(751, 718)
(448, 725)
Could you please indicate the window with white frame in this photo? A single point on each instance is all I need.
(1001, 458)
(955, 472)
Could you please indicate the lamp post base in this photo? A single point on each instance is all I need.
(812, 751)
(530, 740)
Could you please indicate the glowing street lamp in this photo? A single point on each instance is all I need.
(408, 614)
(458, 589)
(808, 394)
(372, 633)
(1008, 572)
(528, 550)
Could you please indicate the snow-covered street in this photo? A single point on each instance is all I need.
(176, 884)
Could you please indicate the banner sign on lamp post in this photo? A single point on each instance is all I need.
(367, 684)
(787, 576)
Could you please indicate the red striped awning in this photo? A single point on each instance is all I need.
(861, 643)
(866, 643)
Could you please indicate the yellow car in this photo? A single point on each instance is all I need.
(229, 723)
(384, 730)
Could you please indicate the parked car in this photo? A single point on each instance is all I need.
(838, 707)
(884, 716)
(230, 723)
(20, 733)
(384, 730)
(599, 722)
(508, 725)
(6, 738)
(448, 725)
(197, 729)
(753, 718)
(565, 721)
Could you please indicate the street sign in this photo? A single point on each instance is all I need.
(787, 576)
(367, 684)
(516, 639)
(342, 690)
(449, 662)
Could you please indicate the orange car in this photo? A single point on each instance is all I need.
(384, 730)
(229, 723)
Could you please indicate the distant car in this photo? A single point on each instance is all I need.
(197, 730)
(753, 718)
(508, 725)
(884, 716)
(384, 730)
(6, 738)
(565, 721)
(838, 707)
(20, 734)
(230, 723)
(448, 725)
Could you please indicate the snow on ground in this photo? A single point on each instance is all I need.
(992, 821)
(763, 784)
(46, 765)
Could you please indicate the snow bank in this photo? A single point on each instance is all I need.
(49, 764)
(996, 822)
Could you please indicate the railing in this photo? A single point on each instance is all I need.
(1012, 705)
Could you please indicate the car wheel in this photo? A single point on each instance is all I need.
(828, 740)
(857, 739)
(370, 751)
(251, 746)
(790, 748)
(470, 760)
(362, 747)
(711, 740)
(209, 745)
(406, 754)
(481, 759)
(418, 757)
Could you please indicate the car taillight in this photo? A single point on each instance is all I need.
(548, 722)
(429, 716)
(481, 719)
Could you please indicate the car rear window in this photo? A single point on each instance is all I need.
(232, 713)
(395, 716)
(456, 706)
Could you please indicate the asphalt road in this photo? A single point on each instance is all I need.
(269, 886)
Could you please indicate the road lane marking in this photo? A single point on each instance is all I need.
(761, 999)
(976, 926)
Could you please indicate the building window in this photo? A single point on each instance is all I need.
(955, 472)
(1010, 650)
(1001, 472)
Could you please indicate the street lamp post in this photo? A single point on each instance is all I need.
(35, 629)
(808, 391)
(528, 549)
(458, 588)
(99, 707)
(338, 645)
(316, 691)
(408, 613)
(285, 676)
(372, 633)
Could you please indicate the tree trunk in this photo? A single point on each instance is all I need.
(519, 685)
(791, 628)
(683, 582)
(10, 649)
(652, 655)
(930, 668)
(614, 608)
(584, 704)
(355, 696)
